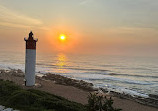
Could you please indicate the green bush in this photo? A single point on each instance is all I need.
(100, 103)
(6, 89)
(23, 98)
(12, 95)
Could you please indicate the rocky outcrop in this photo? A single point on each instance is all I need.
(152, 100)
(13, 72)
(2, 108)
(58, 79)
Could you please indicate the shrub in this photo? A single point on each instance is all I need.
(7, 88)
(13, 96)
(100, 103)
(22, 98)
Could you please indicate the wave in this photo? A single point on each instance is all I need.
(127, 91)
(121, 80)
(71, 68)
(132, 75)
(118, 74)
(128, 68)
(84, 69)
(97, 71)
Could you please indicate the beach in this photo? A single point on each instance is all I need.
(76, 93)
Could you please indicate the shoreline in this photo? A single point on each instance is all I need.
(152, 100)
(75, 87)
(58, 79)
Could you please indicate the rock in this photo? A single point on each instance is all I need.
(2, 71)
(68, 81)
(104, 90)
(1, 107)
(19, 71)
(153, 96)
(95, 89)
(91, 84)
(8, 109)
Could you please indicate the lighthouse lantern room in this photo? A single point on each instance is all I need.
(30, 60)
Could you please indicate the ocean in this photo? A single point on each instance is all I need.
(131, 75)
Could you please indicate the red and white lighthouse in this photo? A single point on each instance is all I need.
(30, 60)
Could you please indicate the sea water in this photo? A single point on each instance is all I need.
(131, 75)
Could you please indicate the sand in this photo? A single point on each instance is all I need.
(74, 94)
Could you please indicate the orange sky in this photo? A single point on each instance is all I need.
(91, 27)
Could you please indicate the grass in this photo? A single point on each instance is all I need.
(12, 95)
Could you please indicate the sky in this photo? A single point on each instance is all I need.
(110, 27)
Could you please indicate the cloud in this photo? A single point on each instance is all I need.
(85, 2)
(131, 31)
(11, 18)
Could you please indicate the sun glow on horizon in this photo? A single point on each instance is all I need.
(62, 37)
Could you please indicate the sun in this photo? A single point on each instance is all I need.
(62, 37)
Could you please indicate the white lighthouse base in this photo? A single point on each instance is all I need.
(30, 67)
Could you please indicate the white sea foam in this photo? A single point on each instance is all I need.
(127, 91)
(92, 77)
(8, 66)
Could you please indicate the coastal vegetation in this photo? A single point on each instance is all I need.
(12, 95)
(100, 103)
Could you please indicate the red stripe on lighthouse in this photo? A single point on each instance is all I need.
(30, 42)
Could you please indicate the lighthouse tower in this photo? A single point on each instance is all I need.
(30, 60)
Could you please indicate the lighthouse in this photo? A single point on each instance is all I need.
(30, 60)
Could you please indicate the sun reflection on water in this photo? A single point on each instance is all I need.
(61, 61)
(63, 64)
